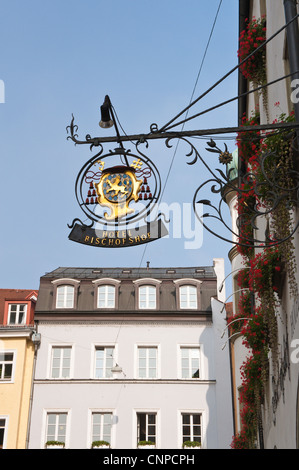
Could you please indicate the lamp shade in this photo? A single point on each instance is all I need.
(106, 120)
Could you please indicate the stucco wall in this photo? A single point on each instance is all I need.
(168, 395)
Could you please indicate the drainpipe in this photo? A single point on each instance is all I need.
(36, 342)
(290, 10)
(244, 11)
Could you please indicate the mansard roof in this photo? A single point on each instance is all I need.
(197, 272)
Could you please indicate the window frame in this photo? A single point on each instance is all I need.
(64, 282)
(106, 282)
(18, 305)
(106, 288)
(101, 411)
(104, 346)
(190, 291)
(191, 413)
(136, 434)
(180, 368)
(147, 282)
(148, 290)
(60, 346)
(56, 412)
(13, 366)
(5, 418)
(184, 283)
(65, 293)
(147, 346)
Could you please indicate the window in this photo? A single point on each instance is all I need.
(56, 427)
(101, 427)
(17, 314)
(65, 296)
(61, 362)
(65, 293)
(188, 293)
(147, 293)
(104, 361)
(147, 362)
(147, 297)
(191, 427)
(190, 363)
(106, 292)
(146, 427)
(6, 366)
(2, 432)
(106, 296)
(188, 297)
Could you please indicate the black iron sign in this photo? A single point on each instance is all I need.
(118, 238)
(117, 192)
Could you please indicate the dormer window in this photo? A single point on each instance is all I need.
(106, 296)
(65, 297)
(147, 293)
(188, 297)
(17, 314)
(106, 293)
(147, 297)
(65, 293)
(188, 294)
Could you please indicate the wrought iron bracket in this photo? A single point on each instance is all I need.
(220, 182)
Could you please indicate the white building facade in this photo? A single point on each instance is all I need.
(129, 356)
(279, 418)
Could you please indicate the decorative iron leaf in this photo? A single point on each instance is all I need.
(213, 150)
(193, 161)
(204, 201)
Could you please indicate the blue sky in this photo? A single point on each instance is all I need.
(63, 57)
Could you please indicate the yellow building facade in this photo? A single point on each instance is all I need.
(16, 363)
(17, 353)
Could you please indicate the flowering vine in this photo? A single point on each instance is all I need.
(264, 269)
(254, 68)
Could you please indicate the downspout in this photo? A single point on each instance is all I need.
(36, 345)
(290, 9)
(244, 9)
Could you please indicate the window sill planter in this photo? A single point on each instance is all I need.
(100, 445)
(191, 445)
(55, 445)
(146, 445)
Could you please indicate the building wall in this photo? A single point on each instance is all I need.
(280, 411)
(15, 395)
(168, 395)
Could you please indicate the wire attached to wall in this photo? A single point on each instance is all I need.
(169, 126)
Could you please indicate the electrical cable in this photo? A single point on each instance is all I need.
(261, 87)
(187, 110)
(165, 127)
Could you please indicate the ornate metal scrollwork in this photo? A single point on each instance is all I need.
(261, 191)
(269, 185)
(138, 173)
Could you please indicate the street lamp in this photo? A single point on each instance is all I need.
(116, 371)
(106, 121)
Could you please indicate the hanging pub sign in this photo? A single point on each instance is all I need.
(117, 192)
